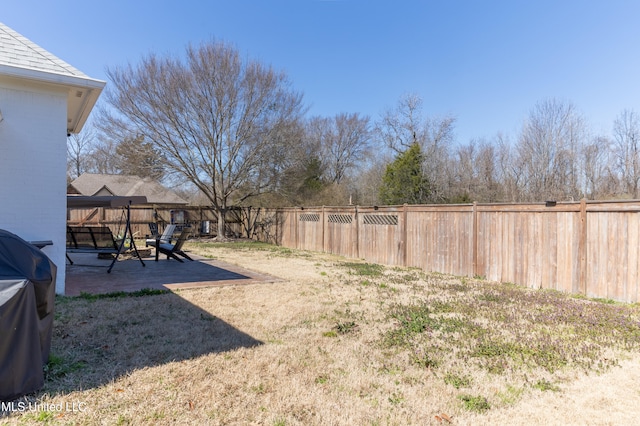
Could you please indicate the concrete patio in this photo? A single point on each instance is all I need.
(88, 274)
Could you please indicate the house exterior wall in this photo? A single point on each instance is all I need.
(33, 166)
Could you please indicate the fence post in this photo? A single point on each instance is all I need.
(324, 225)
(296, 226)
(404, 235)
(357, 234)
(278, 218)
(582, 249)
(474, 238)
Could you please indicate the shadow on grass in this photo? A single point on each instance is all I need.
(100, 338)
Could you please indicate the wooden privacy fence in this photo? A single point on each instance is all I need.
(585, 247)
(588, 248)
(202, 219)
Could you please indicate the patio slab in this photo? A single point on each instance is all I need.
(89, 274)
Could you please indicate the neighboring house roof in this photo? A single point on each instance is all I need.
(126, 186)
(21, 58)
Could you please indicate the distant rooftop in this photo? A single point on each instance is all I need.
(124, 185)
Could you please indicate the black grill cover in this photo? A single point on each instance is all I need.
(27, 296)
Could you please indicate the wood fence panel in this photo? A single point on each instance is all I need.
(633, 272)
(599, 258)
(309, 229)
(596, 244)
(286, 228)
(340, 231)
(487, 262)
(419, 239)
(621, 243)
(567, 262)
(542, 265)
(536, 247)
(269, 230)
(114, 218)
(380, 238)
(441, 239)
(612, 255)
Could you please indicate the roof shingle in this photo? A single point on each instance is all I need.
(18, 51)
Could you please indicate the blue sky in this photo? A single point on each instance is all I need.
(485, 62)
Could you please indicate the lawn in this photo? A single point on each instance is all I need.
(339, 341)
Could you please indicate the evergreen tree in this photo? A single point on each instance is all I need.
(312, 182)
(404, 180)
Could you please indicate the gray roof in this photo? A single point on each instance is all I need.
(126, 186)
(21, 58)
(18, 51)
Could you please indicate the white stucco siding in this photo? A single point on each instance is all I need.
(33, 166)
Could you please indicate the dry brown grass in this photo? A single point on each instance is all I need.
(312, 348)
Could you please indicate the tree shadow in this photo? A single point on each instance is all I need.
(98, 340)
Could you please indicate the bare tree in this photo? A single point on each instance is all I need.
(548, 149)
(465, 174)
(405, 125)
(476, 176)
(437, 150)
(366, 185)
(79, 147)
(399, 128)
(510, 170)
(626, 134)
(598, 168)
(343, 140)
(215, 117)
(104, 158)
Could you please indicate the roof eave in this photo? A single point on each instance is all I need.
(83, 92)
(79, 108)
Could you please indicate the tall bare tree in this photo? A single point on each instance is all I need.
(366, 185)
(600, 180)
(400, 127)
(103, 158)
(510, 170)
(626, 134)
(214, 116)
(79, 147)
(343, 140)
(548, 148)
(476, 176)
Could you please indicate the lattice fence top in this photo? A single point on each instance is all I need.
(340, 218)
(380, 219)
(309, 217)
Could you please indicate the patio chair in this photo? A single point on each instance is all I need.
(173, 250)
(100, 240)
(153, 228)
(90, 239)
(165, 238)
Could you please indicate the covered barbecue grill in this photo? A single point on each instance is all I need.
(27, 296)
